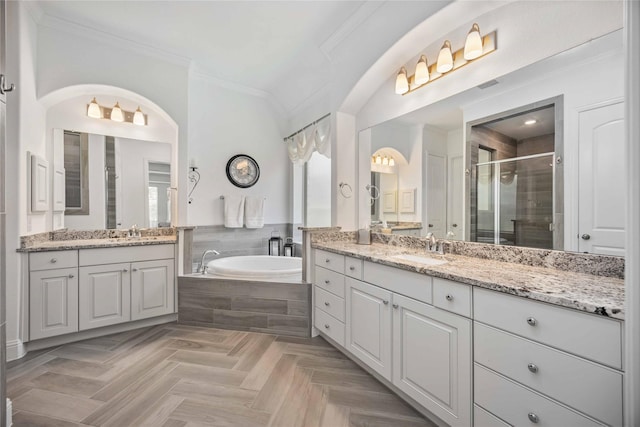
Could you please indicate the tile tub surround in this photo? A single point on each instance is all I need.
(87, 239)
(586, 292)
(271, 307)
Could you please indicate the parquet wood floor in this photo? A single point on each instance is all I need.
(174, 376)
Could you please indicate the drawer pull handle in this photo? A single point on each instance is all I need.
(533, 368)
(134, 269)
(395, 305)
(326, 326)
(327, 282)
(124, 270)
(385, 302)
(326, 260)
(326, 303)
(54, 260)
(71, 276)
(532, 321)
(533, 417)
(352, 268)
(449, 297)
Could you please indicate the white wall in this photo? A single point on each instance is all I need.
(223, 123)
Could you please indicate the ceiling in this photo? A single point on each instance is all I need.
(516, 128)
(284, 49)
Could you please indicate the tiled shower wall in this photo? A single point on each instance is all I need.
(236, 241)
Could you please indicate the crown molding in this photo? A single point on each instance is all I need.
(104, 37)
(348, 26)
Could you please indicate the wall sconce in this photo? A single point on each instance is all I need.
(476, 46)
(194, 176)
(384, 161)
(116, 114)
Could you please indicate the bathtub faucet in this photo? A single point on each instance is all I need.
(203, 267)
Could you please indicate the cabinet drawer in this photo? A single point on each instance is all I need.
(452, 296)
(483, 418)
(125, 254)
(518, 405)
(53, 259)
(353, 267)
(330, 281)
(586, 335)
(330, 260)
(552, 372)
(330, 326)
(414, 285)
(332, 304)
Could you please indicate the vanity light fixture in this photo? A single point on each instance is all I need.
(402, 83)
(116, 114)
(385, 161)
(378, 159)
(392, 162)
(445, 58)
(476, 46)
(93, 110)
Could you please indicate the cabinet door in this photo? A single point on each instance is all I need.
(369, 325)
(152, 288)
(432, 358)
(105, 295)
(53, 302)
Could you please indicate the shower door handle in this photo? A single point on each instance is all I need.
(585, 237)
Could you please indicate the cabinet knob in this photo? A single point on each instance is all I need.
(326, 326)
(385, 302)
(454, 225)
(533, 417)
(449, 297)
(134, 269)
(71, 276)
(124, 270)
(395, 306)
(54, 260)
(326, 260)
(352, 268)
(532, 321)
(533, 368)
(327, 303)
(430, 225)
(326, 282)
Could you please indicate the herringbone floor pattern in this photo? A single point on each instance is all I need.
(173, 375)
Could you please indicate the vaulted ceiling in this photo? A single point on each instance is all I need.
(289, 50)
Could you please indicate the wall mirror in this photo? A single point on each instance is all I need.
(113, 182)
(486, 176)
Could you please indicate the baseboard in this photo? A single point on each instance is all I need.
(15, 350)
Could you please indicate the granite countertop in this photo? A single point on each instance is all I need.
(60, 245)
(594, 294)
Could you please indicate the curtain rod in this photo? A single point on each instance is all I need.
(310, 124)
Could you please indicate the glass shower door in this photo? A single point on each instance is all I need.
(514, 201)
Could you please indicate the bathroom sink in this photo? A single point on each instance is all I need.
(420, 259)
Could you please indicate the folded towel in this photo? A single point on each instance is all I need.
(254, 212)
(233, 211)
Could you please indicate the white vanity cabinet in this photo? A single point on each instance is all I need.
(112, 291)
(53, 293)
(539, 363)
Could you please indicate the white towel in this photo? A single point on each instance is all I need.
(233, 211)
(254, 212)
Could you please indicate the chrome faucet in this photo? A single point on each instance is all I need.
(432, 243)
(203, 268)
(134, 231)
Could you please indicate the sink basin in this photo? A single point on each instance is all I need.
(420, 259)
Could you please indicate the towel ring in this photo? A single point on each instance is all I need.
(374, 191)
(349, 191)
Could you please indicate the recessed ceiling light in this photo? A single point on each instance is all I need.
(530, 122)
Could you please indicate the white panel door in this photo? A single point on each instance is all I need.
(436, 195)
(105, 295)
(601, 215)
(152, 288)
(369, 325)
(432, 358)
(58, 190)
(455, 198)
(53, 302)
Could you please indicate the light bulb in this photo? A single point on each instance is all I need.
(402, 84)
(385, 161)
(93, 110)
(445, 58)
(473, 44)
(421, 75)
(391, 161)
(116, 113)
(378, 159)
(138, 117)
